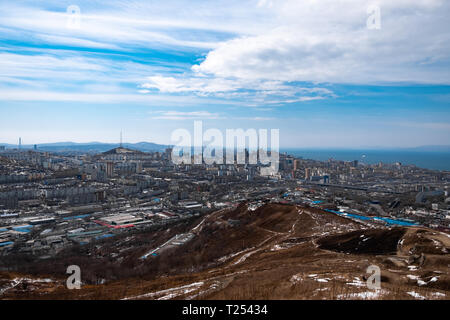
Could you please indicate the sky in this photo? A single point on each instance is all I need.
(326, 73)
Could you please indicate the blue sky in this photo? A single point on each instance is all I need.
(312, 69)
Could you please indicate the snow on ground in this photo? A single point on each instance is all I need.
(436, 243)
(445, 234)
(416, 295)
(323, 280)
(276, 247)
(357, 282)
(225, 258)
(245, 256)
(176, 294)
(197, 227)
(295, 278)
(15, 282)
(214, 286)
(367, 295)
(434, 279)
(314, 277)
(169, 293)
(438, 294)
(422, 283)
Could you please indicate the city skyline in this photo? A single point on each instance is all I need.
(313, 70)
(225, 154)
(127, 144)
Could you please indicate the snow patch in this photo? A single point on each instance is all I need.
(169, 293)
(295, 278)
(367, 295)
(416, 295)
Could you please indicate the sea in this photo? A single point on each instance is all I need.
(434, 160)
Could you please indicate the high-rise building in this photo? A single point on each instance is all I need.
(296, 164)
(168, 154)
(109, 168)
(138, 166)
(307, 173)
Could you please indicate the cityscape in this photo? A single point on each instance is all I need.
(235, 157)
(56, 202)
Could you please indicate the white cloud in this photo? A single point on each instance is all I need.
(70, 77)
(104, 97)
(123, 24)
(322, 42)
(250, 91)
(257, 118)
(327, 41)
(200, 115)
(199, 85)
(192, 115)
(256, 51)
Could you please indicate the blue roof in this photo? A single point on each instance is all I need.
(21, 227)
(387, 220)
(108, 235)
(77, 217)
(25, 229)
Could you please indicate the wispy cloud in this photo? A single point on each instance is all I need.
(256, 118)
(250, 91)
(105, 97)
(101, 26)
(192, 115)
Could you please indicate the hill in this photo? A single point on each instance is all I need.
(91, 147)
(274, 252)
